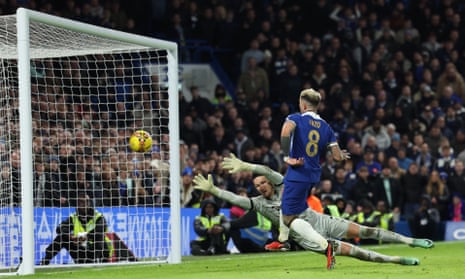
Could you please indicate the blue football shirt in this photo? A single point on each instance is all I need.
(309, 140)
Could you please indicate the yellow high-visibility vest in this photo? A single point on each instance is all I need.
(79, 228)
(208, 223)
(333, 210)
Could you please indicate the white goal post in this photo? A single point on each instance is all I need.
(70, 96)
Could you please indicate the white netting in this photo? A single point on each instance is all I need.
(49, 41)
(88, 95)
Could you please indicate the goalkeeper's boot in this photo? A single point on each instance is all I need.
(331, 254)
(422, 242)
(278, 246)
(409, 261)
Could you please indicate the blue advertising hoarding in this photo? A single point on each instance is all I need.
(144, 230)
(455, 231)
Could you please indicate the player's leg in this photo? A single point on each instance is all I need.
(292, 205)
(199, 248)
(59, 242)
(356, 230)
(347, 249)
(283, 239)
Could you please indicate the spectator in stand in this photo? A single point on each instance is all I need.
(363, 187)
(189, 134)
(369, 162)
(394, 147)
(252, 80)
(412, 186)
(266, 114)
(217, 140)
(435, 139)
(319, 79)
(367, 110)
(111, 194)
(425, 159)
(343, 182)
(402, 159)
(388, 190)
(436, 188)
(328, 167)
(190, 197)
(453, 79)
(201, 104)
(424, 96)
(339, 123)
(453, 121)
(446, 159)
(377, 130)
(5, 182)
(242, 143)
(457, 208)
(427, 117)
(406, 103)
(456, 180)
(448, 98)
(254, 52)
(370, 143)
(198, 122)
(396, 171)
(290, 84)
(46, 191)
(221, 96)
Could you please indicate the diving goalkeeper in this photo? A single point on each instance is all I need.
(268, 183)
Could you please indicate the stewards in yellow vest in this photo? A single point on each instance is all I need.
(368, 216)
(334, 207)
(385, 220)
(83, 234)
(212, 228)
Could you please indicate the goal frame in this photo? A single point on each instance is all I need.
(23, 18)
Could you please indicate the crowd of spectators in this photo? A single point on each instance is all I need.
(391, 74)
(392, 78)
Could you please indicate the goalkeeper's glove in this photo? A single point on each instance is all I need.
(206, 185)
(234, 165)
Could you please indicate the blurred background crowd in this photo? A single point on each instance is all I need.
(391, 74)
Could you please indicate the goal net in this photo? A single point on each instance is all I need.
(71, 192)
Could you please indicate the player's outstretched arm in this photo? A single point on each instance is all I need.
(234, 165)
(206, 185)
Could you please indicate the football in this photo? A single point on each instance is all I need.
(140, 141)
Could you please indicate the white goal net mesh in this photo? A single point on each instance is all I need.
(88, 95)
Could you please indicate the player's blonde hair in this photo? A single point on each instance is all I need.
(311, 96)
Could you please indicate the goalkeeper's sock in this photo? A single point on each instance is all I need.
(283, 230)
(371, 256)
(383, 235)
(306, 231)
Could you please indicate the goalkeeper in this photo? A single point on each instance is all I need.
(269, 182)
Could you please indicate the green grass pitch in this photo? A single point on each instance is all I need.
(446, 260)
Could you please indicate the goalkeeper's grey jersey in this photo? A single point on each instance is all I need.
(268, 208)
